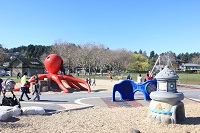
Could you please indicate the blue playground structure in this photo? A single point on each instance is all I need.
(127, 89)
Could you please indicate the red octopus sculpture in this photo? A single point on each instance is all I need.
(52, 64)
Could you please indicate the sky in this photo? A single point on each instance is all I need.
(149, 25)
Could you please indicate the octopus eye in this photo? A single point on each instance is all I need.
(48, 58)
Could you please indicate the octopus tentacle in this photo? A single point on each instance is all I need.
(71, 84)
(40, 76)
(58, 81)
(76, 81)
(69, 79)
(79, 86)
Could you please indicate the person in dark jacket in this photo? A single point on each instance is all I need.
(36, 91)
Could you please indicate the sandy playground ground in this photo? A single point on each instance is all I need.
(102, 120)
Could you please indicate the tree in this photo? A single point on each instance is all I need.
(67, 51)
(31, 51)
(138, 62)
(152, 54)
(144, 53)
(196, 60)
(4, 57)
(96, 57)
(87, 56)
(120, 59)
(140, 51)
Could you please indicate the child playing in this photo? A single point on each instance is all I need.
(94, 83)
(27, 86)
(36, 91)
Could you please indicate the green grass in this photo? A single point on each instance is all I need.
(115, 77)
(184, 78)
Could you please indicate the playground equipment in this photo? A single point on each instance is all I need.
(127, 89)
(166, 106)
(53, 63)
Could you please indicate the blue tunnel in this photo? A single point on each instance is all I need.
(128, 88)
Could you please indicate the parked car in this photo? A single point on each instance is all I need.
(4, 74)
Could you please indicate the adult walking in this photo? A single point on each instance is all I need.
(24, 80)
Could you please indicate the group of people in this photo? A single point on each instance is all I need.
(140, 79)
(147, 77)
(8, 85)
(90, 81)
(25, 85)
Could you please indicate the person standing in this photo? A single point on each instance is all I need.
(62, 69)
(36, 77)
(110, 76)
(18, 75)
(89, 80)
(1, 85)
(148, 77)
(129, 77)
(23, 86)
(94, 82)
(139, 79)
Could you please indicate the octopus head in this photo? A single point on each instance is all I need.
(53, 63)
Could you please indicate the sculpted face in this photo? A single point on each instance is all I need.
(52, 63)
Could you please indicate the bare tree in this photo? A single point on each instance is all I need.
(88, 56)
(121, 59)
(196, 60)
(68, 53)
(168, 56)
(43, 57)
(91, 57)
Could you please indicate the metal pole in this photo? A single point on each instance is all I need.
(155, 65)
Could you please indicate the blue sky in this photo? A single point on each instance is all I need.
(159, 25)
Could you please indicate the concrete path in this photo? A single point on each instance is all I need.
(56, 102)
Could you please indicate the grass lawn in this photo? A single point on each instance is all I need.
(189, 78)
(184, 78)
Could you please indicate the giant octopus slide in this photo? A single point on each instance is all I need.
(53, 63)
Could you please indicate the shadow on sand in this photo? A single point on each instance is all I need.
(12, 119)
(52, 101)
(191, 121)
(99, 90)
